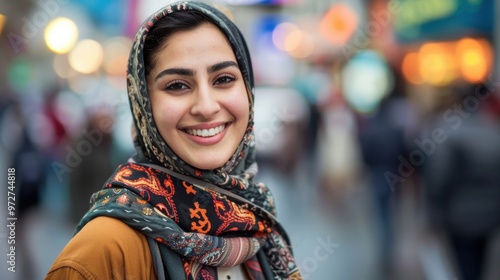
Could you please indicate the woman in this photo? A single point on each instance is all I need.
(186, 206)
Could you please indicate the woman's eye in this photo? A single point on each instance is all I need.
(225, 79)
(176, 86)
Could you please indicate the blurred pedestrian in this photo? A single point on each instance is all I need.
(93, 169)
(28, 159)
(462, 178)
(185, 206)
(382, 144)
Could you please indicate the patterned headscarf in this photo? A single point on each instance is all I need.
(195, 220)
(151, 144)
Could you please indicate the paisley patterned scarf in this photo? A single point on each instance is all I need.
(195, 220)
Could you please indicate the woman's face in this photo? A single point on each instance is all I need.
(198, 97)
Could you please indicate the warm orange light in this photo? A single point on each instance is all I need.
(86, 57)
(339, 24)
(437, 64)
(488, 51)
(440, 63)
(474, 58)
(410, 68)
(305, 47)
(2, 22)
(281, 32)
(290, 38)
(293, 40)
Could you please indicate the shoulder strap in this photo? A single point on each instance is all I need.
(264, 264)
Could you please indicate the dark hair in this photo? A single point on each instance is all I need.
(165, 28)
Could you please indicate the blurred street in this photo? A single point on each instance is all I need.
(377, 125)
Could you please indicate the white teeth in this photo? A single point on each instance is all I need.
(206, 132)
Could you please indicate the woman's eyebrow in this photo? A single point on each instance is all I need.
(175, 71)
(221, 65)
(188, 72)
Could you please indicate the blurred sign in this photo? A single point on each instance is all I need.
(423, 20)
(110, 16)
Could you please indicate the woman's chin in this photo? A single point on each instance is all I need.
(210, 165)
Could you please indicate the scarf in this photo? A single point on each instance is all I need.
(195, 220)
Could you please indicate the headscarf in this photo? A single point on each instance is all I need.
(195, 220)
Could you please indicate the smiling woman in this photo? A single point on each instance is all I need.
(185, 206)
(198, 96)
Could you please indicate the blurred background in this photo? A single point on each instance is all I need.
(377, 127)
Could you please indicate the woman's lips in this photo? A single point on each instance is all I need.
(207, 136)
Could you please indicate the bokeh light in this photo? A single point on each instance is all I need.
(473, 59)
(290, 38)
(437, 64)
(442, 63)
(2, 22)
(410, 68)
(87, 56)
(281, 33)
(61, 35)
(19, 73)
(367, 80)
(293, 40)
(339, 23)
(304, 48)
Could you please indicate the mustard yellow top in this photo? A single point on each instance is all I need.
(105, 248)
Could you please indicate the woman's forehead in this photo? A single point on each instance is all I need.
(204, 45)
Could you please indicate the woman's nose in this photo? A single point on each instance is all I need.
(205, 103)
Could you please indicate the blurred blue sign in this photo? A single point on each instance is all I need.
(109, 16)
(424, 20)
